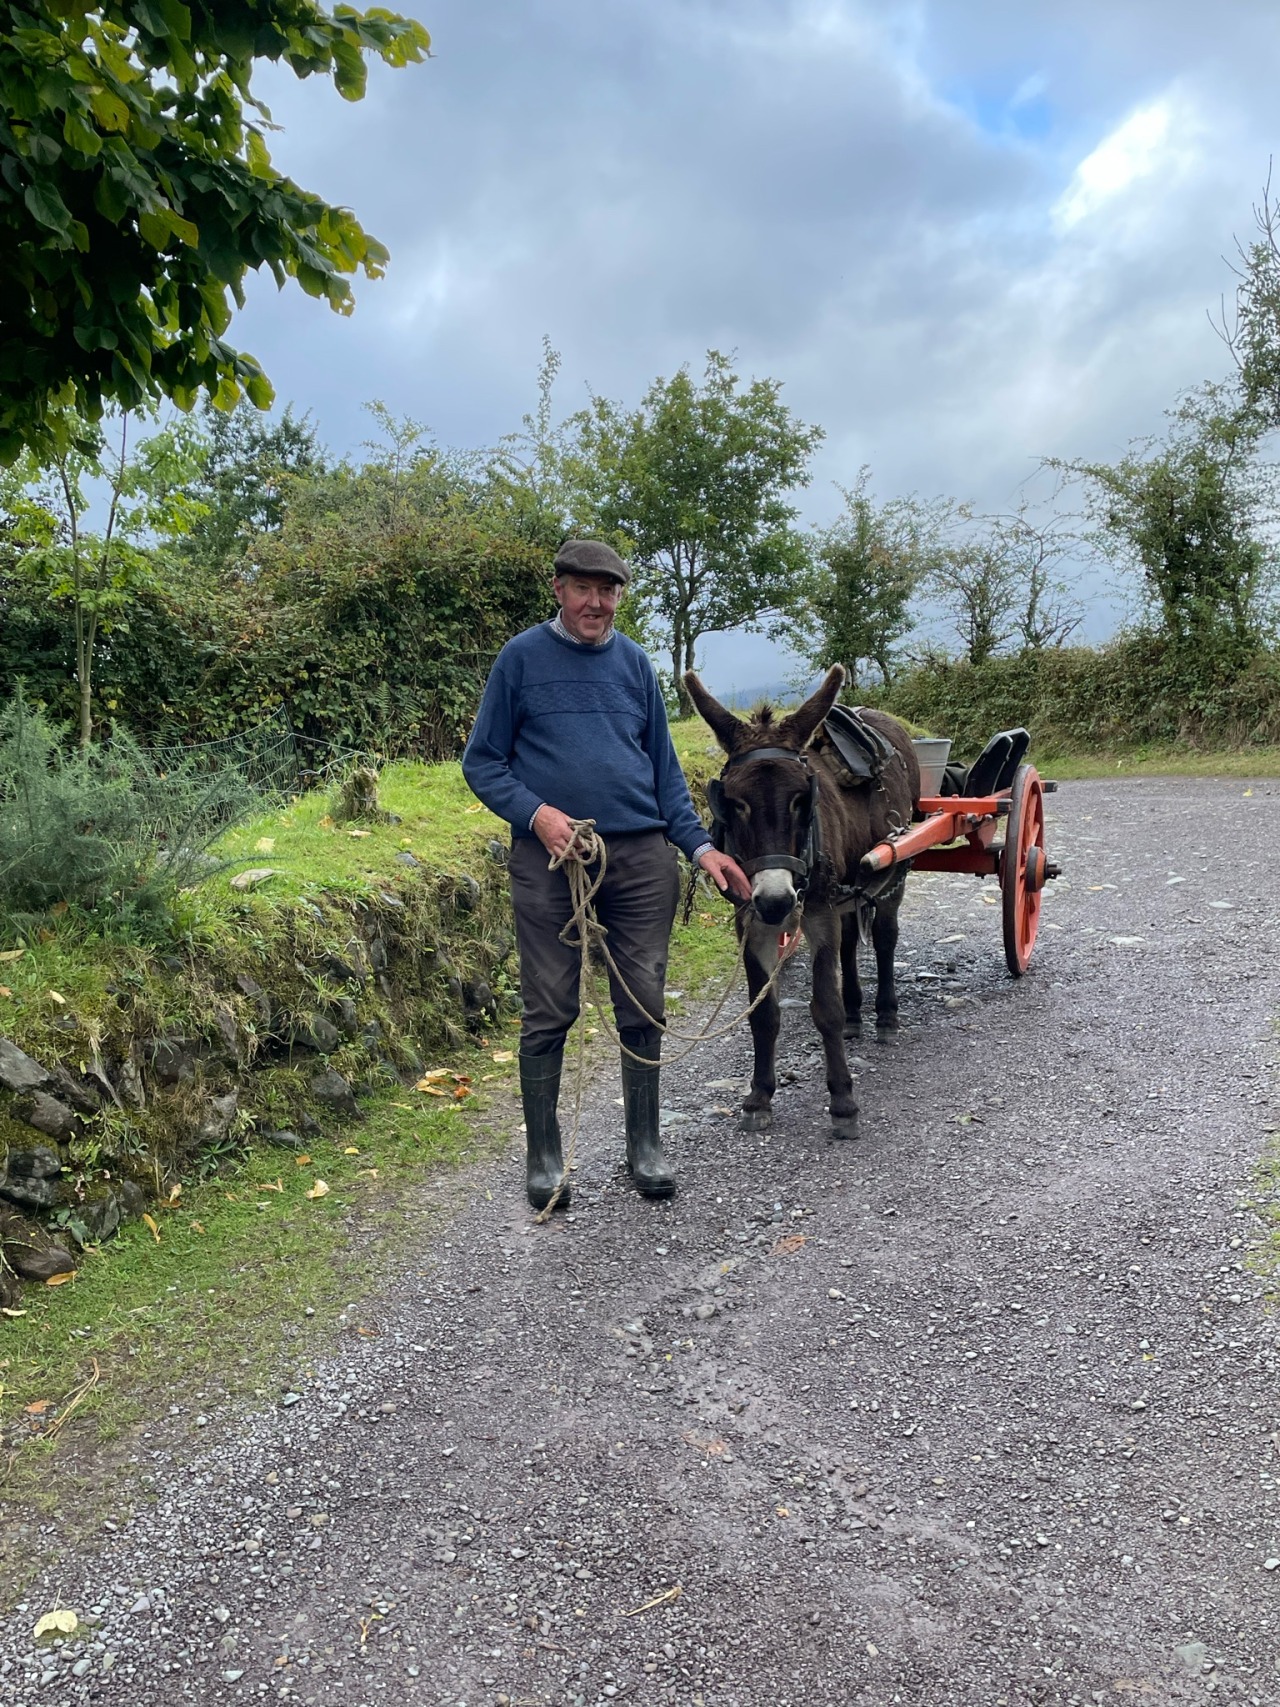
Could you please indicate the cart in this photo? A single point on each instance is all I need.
(958, 832)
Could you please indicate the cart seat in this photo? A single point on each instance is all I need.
(993, 769)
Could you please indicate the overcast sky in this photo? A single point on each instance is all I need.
(963, 235)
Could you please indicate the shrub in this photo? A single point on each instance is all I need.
(105, 831)
(1140, 689)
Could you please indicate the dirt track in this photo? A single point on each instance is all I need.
(977, 1410)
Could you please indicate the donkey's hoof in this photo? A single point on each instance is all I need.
(853, 1028)
(756, 1120)
(887, 1035)
(845, 1126)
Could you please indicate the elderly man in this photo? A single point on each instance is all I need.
(572, 725)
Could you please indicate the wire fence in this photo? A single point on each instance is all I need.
(266, 757)
(272, 758)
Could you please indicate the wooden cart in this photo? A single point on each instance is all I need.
(959, 833)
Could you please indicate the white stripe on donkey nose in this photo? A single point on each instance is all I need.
(775, 889)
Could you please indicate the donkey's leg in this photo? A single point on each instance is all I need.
(823, 929)
(850, 986)
(884, 938)
(760, 954)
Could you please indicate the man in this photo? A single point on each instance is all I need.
(572, 725)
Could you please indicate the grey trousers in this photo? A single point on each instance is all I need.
(636, 904)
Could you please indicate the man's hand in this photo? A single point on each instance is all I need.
(554, 830)
(725, 872)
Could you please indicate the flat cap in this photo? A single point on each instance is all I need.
(591, 557)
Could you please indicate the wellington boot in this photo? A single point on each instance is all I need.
(540, 1091)
(650, 1169)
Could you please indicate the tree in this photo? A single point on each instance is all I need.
(1046, 613)
(1253, 335)
(696, 479)
(870, 564)
(248, 460)
(977, 585)
(531, 474)
(136, 191)
(100, 575)
(1193, 516)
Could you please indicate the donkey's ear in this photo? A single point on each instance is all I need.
(721, 721)
(798, 729)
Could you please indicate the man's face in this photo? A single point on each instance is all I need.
(587, 605)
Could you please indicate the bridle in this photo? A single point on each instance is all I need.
(802, 869)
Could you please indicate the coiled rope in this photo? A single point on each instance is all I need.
(583, 932)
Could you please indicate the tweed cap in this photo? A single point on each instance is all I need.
(591, 557)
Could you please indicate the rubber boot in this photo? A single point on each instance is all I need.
(540, 1092)
(650, 1169)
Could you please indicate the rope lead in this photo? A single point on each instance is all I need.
(586, 848)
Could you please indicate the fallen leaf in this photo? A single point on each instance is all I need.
(37, 1407)
(406, 1106)
(60, 999)
(59, 907)
(155, 1231)
(351, 1150)
(478, 807)
(664, 1599)
(713, 1448)
(1248, 794)
(64, 1622)
(61, 1279)
(175, 1192)
(5, 1311)
(360, 833)
(430, 1077)
(372, 1172)
(369, 1333)
(196, 1227)
(327, 823)
(11, 954)
(271, 1185)
(265, 844)
(431, 1090)
(788, 1243)
(319, 1189)
(5, 990)
(250, 879)
(783, 1512)
(461, 1091)
(302, 1161)
(503, 1055)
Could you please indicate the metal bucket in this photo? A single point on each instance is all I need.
(933, 755)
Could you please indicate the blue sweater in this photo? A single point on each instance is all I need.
(582, 728)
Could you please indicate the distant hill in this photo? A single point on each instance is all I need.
(779, 692)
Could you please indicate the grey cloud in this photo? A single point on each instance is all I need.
(644, 181)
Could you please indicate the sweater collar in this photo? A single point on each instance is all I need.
(561, 633)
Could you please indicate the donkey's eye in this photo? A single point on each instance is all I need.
(740, 807)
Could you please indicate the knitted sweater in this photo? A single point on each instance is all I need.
(582, 728)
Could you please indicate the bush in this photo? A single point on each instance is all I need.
(1141, 689)
(106, 831)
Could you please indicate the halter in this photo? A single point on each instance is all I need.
(801, 869)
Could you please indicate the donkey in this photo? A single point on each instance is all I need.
(799, 834)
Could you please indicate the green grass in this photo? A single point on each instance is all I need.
(1245, 762)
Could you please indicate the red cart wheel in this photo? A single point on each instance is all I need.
(1024, 866)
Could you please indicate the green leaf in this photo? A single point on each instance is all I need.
(260, 391)
(47, 206)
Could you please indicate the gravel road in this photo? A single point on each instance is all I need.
(980, 1409)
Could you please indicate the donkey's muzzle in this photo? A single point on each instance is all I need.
(773, 897)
